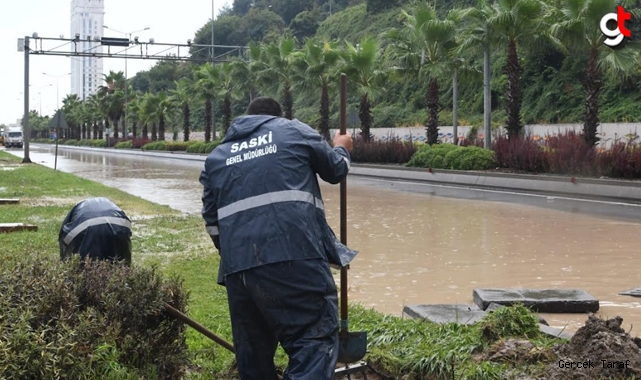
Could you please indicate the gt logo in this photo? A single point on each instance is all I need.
(616, 36)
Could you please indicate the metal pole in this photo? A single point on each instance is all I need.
(212, 32)
(343, 206)
(55, 162)
(455, 107)
(124, 111)
(25, 121)
(487, 97)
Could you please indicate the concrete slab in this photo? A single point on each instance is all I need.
(466, 315)
(539, 300)
(15, 227)
(9, 201)
(463, 314)
(636, 292)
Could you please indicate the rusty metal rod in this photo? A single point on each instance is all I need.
(198, 327)
(343, 208)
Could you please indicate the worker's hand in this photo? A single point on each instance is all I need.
(344, 140)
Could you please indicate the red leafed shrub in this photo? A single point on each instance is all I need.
(383, 152)
(621, 161)
(568, 153)
(520, 154)
(138, 143)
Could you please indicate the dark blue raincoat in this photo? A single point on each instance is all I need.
(262, 207)
(97, 228)
(262, 203)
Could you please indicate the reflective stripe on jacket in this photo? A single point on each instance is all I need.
(261, 201)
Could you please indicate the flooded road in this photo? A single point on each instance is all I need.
(422, 249)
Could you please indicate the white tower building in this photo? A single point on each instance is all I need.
(87, 18)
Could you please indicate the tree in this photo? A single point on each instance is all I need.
(577, 26)
(99, 114)
(317, 66)
(182, 96)
(247, 72)
(228, 89)
(163, 111)
(362, 64)
(423, 48)
(517, 22)
(305, 24)
(206, 88)
(278, 71)
(71, 107)
(133, 112)
(149, 115)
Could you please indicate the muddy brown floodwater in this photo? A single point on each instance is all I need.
(423, 249)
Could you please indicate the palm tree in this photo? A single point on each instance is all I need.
(206, 88)
(517, 22)
(93, 106)
(113, 81)
(149, 115)
(163, 109)
(578, 27)
(278, 70)
(114, 104)
(133, 112)
(362, 64)
(247, 72)
(423, 47)
(182, 96)
(228, 89)
(316, 68)
(70, 106)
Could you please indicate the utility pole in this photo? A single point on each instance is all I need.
(26, 131)
(212, 33)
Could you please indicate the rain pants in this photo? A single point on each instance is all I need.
(97, 228)
(263, 209)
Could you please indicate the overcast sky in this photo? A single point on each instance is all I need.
(170, 21)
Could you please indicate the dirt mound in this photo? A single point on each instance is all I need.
(515, 351)
(599, 350)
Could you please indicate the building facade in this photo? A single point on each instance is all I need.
(87, 20)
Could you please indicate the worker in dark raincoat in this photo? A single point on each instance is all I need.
(262, 207)
(96, 228)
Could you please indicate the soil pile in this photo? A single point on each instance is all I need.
(599, 350)
(516, 351)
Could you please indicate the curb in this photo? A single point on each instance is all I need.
(582, 188)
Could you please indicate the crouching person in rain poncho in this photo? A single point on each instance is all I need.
(263, 209)
(96, 228)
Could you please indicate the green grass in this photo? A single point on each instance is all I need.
(178, 245)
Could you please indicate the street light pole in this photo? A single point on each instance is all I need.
(212, 33)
